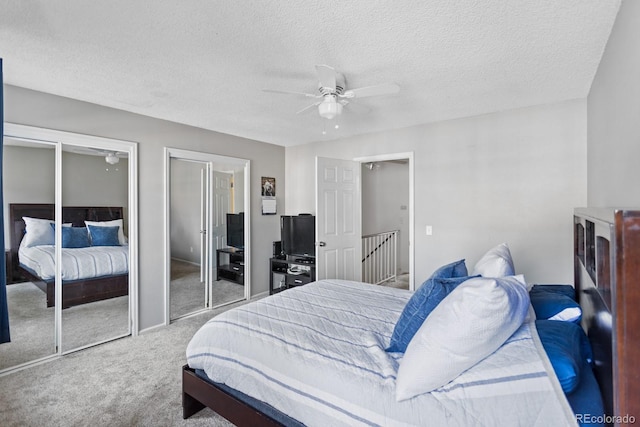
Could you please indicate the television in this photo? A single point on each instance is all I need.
(235, 230)
(298, 235)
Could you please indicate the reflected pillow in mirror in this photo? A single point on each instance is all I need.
(104, 236)
(74, 237)
(116, 222)
(37, 232)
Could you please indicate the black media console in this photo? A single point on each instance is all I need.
(232, 268)
(289, 272)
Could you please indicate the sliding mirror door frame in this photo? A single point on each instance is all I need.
(34, 335)
(211, 160)
(61, 138)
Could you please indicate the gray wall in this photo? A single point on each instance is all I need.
(512, 176)
(90, 181)
(48, 111)
(384, 192)
(614, 116)
(28, 177)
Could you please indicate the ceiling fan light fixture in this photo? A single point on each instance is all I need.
(329, 108)
(111, 158)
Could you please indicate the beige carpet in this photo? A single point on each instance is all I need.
(133, 381)
(400, 282)
(187, 292)
(32, 324)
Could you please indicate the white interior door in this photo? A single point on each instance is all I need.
(221, 206)
(338, 227)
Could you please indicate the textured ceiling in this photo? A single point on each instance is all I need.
(205, 63)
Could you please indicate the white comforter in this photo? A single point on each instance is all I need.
(77, 263)
(316, 353)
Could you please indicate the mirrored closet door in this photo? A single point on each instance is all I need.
(69, 288)
(29, 176)
(207, 231)
(188, 238)
(95, 255)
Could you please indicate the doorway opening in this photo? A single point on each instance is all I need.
(340, 215)
(388, 218)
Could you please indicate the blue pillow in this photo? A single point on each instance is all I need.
(566, 290)
(104, 236)
(555, 306)
(421, 304)
(455, 269)
(568, 349)
(74, 237)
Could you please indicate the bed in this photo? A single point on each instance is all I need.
(268, 341)
(89, 274)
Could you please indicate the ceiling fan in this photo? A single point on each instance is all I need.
(110, 156)
(332, 94)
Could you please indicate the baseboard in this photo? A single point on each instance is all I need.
(151, 328)
(186, 261)
(259, 296)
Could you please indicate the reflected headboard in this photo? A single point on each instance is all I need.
(607, 280)
(76, 215)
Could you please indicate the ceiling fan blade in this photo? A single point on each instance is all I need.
(286, 92)
(363, 92)
(327, 77)
(308, 107)
(355, 107)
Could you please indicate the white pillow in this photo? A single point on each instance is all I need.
(37, 232)
(497, 262)
(121, 237)
(472, 322)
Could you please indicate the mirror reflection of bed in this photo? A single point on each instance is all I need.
(192, 253)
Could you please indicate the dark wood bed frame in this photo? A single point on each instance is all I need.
(607, 282)
(75, 292)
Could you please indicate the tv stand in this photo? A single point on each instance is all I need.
(233, 269)
(289, 272)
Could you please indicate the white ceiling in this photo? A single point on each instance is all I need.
(205, 63)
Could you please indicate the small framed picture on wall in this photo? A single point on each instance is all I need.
(268, 195)
(268, 186)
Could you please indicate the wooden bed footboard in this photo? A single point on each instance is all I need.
(198, 394)
(82, 291)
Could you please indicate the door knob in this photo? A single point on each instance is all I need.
(322, 244)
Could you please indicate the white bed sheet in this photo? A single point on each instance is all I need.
(77, 263)
(316, 353)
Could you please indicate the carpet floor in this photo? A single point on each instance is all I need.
(32, 324)
(187, 292)
(400, 282)
(133, 381)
